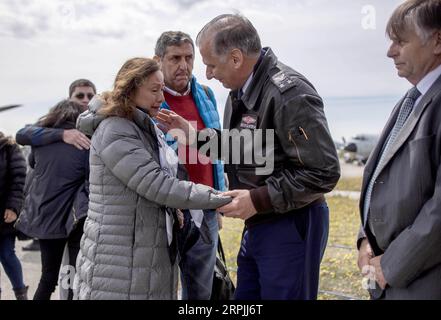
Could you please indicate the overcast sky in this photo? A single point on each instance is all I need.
(46, 44)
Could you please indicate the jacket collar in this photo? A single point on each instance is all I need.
(144, 122)
(177, 94)
(265, 63)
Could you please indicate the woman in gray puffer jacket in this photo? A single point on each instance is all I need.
(125, 251)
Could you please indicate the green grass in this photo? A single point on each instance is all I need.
(349, 184)
(339, 271)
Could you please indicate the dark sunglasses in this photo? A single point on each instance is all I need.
(82, 95)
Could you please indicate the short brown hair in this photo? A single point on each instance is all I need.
(131, 76)
(422, 16)
(80, 83)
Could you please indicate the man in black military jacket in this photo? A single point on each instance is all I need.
(286, 216)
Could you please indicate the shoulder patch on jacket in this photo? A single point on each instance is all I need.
(283, 81)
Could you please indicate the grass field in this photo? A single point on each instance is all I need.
(339, 275)
(349, 184)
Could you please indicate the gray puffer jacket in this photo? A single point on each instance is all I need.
(124, 252)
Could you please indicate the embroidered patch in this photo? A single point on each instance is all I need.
(283, 81)
(249, 121)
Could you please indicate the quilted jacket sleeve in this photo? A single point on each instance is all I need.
(122, 151)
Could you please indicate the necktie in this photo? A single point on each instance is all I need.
(405, 110)
(239, 94)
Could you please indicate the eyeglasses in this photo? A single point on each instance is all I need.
(82, 95)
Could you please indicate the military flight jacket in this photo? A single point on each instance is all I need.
(306, 165)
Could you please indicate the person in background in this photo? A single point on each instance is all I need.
(400, 206)
(187, 97)
(80, 91)
(12, 180)
(56, 205)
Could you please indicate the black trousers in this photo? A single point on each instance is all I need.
(51, 257)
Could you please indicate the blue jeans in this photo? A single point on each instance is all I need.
(197, 250)
(10, 262)
(280, 259)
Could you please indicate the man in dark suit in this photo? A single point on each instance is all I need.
(400, 238)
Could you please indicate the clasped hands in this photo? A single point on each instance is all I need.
(241, 206)
(368, 264)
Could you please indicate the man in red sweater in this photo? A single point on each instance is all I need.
(196, 103)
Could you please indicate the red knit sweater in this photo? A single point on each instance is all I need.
(198, 172)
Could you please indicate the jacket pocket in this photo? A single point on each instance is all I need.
(298, 138)
(420, 156)
(422, 169)
(421, 141)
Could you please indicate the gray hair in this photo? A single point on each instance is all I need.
(171, 38)
(231, 31)
(422, 16)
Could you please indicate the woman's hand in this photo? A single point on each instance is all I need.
(10, 216)
(176, 126)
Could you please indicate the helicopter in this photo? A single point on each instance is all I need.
(9, 107)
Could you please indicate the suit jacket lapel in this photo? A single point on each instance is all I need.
(407, 129)
(373, 158)
(412, 121)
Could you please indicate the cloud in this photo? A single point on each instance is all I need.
(188, 3)
(46, 44)
(113, 19)
(22, 19)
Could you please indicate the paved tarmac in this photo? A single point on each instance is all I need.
(31, 264)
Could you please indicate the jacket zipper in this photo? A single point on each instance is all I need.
(290, 138)
(303, 132)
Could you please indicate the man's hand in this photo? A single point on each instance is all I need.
(176, 126)
(180, 215)
(77, 139)
(10, 216)
(364, 256)
(241, 207)
(379, 276)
